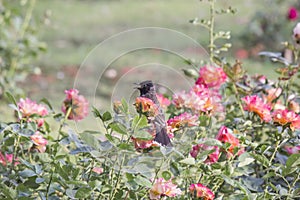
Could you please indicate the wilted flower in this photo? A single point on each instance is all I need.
(77, 103)
(292, 14)
(256, 104)
(201, 191)
(273, 93)
(31, 111)
(117, 107)
(98, 170)
(292, 150)
(226, 136)
(182, 120)
(211, 158)
(39, 141)
(162, 188)
(163, 101)
(146, 106)
(211, 76)
(7, 158)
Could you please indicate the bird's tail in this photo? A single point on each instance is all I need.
(162, 137)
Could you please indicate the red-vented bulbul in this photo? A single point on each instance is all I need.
(147, 90)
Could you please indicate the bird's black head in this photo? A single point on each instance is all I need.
(145, 87)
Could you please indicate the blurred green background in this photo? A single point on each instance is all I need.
(72, 28)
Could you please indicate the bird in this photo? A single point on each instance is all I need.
(147, 90)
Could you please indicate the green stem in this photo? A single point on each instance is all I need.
(48, 186)
(238, 98)
(63, 122)
(114, 190)
(16, 145)
(275, 151)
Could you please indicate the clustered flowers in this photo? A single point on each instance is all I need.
(279, 115)
(31, 111)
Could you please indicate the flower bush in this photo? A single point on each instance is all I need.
(233, 137)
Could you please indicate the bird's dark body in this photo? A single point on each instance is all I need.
(147, 90)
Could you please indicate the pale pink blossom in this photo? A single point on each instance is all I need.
(39, 141)
(163, 188)
(211, 76)
(296, 33)
(273, 93)
(98, 170)
(163, 101)
(31, 111)
(182, 120)
(201, 191)
(200, 99)
(77, 103)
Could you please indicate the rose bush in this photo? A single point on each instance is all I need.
(234, 136)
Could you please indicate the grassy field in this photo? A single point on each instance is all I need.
(75, 27)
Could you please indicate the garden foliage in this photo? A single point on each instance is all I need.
(234, 136)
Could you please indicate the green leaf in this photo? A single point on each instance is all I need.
(90, 139)
(45, 101)
(261, 159)
(106, 116)
(8, 192)
(188, 161)
(139, 122)
(293, 160)
(83, 192)
(166, 175)
(143, 181)
(125, 146)
(142, 134)
(96, 113)
(124, 105)
(119, 128)
(11, 98)
(192, 73)
(245, 159)
(27, 173)
(211, 142)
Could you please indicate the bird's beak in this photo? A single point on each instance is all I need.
(137, 86)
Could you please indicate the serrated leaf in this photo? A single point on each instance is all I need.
(139, 122)
(188, 161)
(143, 181)
(90, 139)
(119, 128)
